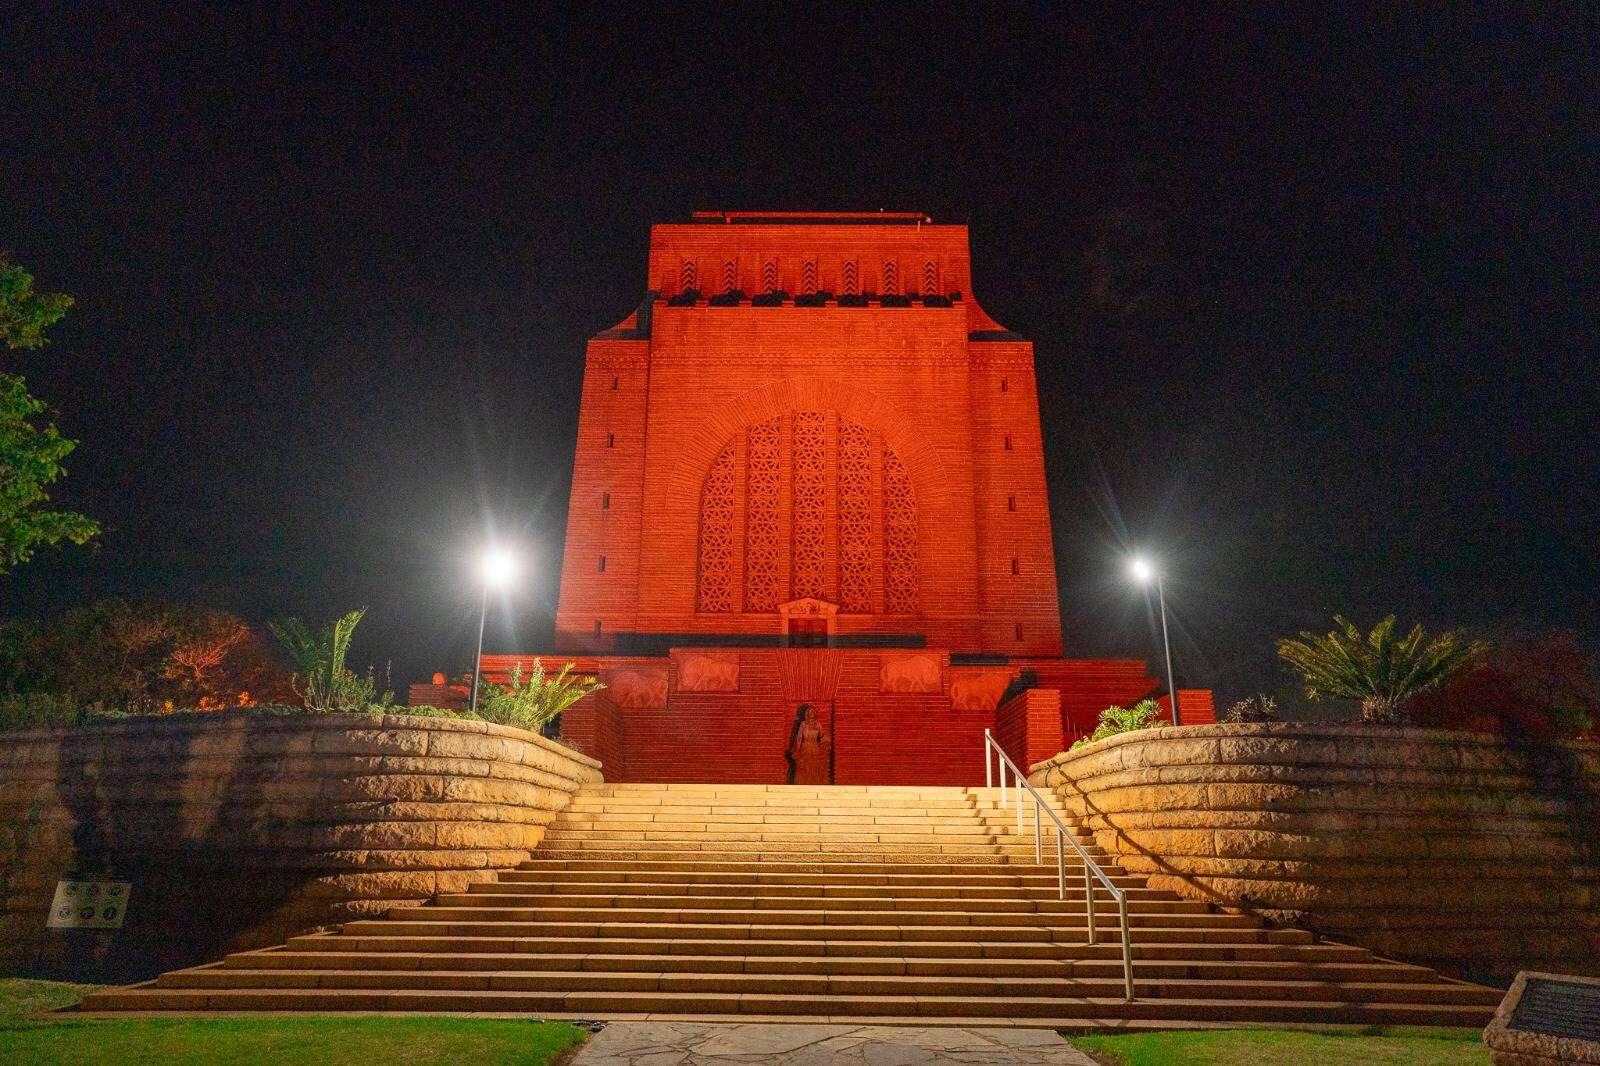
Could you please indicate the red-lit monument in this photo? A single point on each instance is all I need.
(809, 535)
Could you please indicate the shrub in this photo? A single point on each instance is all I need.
(1528, 684)
(1375, 669)
(1258, 708)
(141, 656)
(1114, 720)
(38, 710)
(322, 681)
(532, 701)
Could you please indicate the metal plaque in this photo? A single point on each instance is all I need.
(90, 904)
(1558, 1008)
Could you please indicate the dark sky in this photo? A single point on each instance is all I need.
(1314, 301)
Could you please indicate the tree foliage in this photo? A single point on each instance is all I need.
(322, 680)
(531, 701)
(1527, 684)
(140, 657)
(31, 448)
(1376, 669)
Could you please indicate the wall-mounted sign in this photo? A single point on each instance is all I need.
(90, 904)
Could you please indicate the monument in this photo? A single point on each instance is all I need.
(809, 508)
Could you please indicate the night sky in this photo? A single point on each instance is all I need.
(1313, 302)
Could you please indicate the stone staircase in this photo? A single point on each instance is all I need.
(806, 903)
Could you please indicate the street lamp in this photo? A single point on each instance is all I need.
(497, 568)
(1144, 572)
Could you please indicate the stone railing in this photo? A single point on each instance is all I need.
(239, 829)
(1464, 851)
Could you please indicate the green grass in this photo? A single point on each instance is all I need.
(1283, 1047)
(27, 1040)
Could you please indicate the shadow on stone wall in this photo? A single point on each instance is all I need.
(239, 830)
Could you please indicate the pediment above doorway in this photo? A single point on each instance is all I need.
(807, 608)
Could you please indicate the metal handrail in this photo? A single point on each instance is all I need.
(1091, 869)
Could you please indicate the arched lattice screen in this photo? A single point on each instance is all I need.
(808, 505)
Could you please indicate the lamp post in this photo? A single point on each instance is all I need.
(1143, 572)
(495, 570)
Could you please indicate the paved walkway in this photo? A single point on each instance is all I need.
(672, 1043)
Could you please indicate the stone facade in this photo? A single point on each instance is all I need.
(238, 829)
(1468, 852)
(810, 436)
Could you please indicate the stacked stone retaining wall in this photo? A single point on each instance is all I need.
(238, 830)
(1468, 852)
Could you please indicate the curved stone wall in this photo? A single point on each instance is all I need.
(1468, 852)
(239, 829)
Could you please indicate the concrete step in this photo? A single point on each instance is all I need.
(1174, 949)
(855, 985)
(815, 887)
(694, 1004)
(915, 913)
(1369, 970)
(605, 927)
(498, 906)
(769, 854)
(936, 878)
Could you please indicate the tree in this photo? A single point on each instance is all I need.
(141, 657)
(1375, 669)
(31, 448)
(1529, 684)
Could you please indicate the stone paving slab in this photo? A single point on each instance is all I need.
(686, 1042)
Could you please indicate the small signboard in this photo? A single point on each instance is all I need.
(1559, 1008)
(90, 904)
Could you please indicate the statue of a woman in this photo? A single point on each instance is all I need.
(810, 750)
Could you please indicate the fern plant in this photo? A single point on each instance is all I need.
(532, 701)
(1376, 669)
(1114, 720)
(321, 679)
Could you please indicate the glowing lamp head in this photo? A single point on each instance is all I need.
(1141, 570)
(497, 568)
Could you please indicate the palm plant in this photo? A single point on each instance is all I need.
(321, 679)
(1376, 669)
(1114, 720)
(531, 701)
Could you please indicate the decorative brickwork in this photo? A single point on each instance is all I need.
(899, 539)
(764, 586)
(717, 526)
(833, 466)
(856, 460)
(809, 549)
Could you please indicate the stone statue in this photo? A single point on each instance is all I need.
(810, 750)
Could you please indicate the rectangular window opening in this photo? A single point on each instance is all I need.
(605, 501)
(611, 440)
(1008, 442)
(614, 383)
(1016, 567)
(1011, 503)
(1016, 631)
(602, 564)
(597, 627)
(1005, 386)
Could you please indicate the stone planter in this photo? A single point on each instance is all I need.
(1468, 852)
(239, 829)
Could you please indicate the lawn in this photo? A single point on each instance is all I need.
(25, 1041)
(1282, 1047)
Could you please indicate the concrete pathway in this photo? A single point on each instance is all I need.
(674, 1043)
